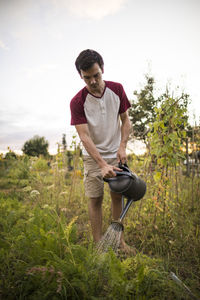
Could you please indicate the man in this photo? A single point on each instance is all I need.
(96, 112)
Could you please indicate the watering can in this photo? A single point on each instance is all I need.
(129, 185)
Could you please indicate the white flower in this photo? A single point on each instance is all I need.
(35, 192)
(27, 188)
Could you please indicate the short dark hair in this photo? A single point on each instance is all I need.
(87, 58)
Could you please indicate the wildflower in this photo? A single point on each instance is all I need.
(34, 193)
(27, 188)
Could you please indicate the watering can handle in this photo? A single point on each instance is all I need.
(120, 165)
(118, 173)
(124, 166)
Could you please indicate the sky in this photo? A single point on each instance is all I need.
(40, 40)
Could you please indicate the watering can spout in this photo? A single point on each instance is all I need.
(125, 209)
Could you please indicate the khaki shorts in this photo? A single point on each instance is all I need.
(93, 180)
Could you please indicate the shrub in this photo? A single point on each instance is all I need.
(40, 165)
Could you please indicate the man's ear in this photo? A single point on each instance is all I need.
(102, 69)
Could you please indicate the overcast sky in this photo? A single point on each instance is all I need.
(40, 40)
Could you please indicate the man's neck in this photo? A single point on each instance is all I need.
(98, 91)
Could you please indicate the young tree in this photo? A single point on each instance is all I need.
(142, 111)
(36, 146)
(169, 130)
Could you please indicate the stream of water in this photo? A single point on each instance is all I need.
(111, 238)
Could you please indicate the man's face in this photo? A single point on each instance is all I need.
(93, 77)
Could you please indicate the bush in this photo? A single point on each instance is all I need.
(40, 165)
(20, 169)
(10, 155)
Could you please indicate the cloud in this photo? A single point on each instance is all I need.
(3, 46)
(95, 9)
(40, 69)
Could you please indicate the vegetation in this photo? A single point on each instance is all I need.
(142, 111)
(10, 155)
(64, 143)
(143, 108)
(46, 247)
(36, 146)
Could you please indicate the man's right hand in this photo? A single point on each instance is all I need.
(108, 171)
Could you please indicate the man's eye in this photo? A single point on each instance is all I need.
(96, 75)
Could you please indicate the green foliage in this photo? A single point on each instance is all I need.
(46, 250)
(41, 259)
(36, 146)
(20, 169)
(10, 155)
(167, 131)
(40, 165)
(142, 111)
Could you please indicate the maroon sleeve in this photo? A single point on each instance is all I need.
(118, 89)
(77, 109)
(124, 102)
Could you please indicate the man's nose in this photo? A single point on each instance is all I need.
(92, 80)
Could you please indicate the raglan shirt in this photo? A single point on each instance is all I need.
(102, 116)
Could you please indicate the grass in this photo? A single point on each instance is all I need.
(46, 249)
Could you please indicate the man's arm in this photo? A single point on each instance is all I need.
(125, 131)
(106, 170)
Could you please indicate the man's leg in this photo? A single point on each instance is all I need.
(116, 205)
(116, 212)
(95, 215)
(94, 191)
